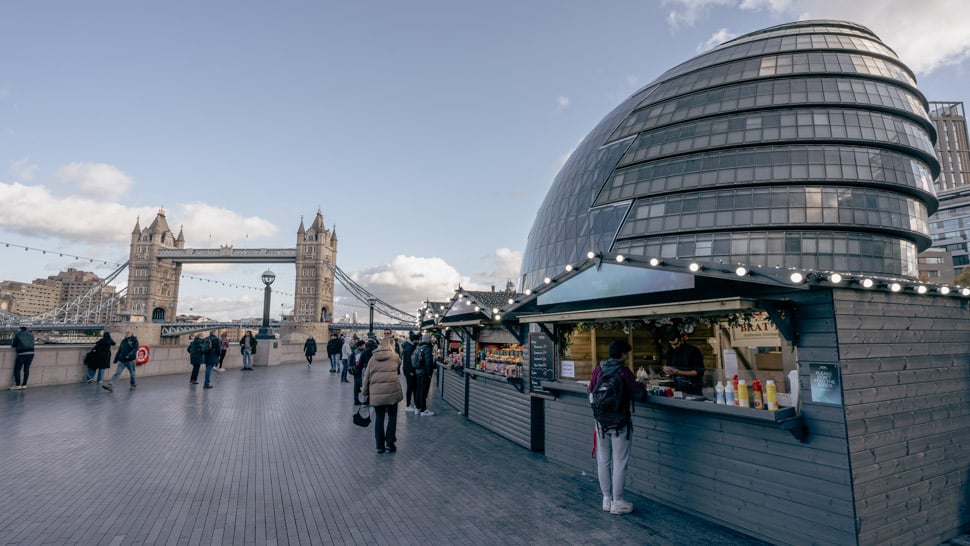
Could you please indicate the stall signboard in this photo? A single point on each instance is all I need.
(760, 331)
(826, 384)
(542, 361)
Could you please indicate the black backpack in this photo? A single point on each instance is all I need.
(207, 345)
(610, 403)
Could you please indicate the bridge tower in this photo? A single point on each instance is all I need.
(313, 301)
(153, 284)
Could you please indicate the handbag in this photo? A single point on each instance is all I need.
(362, 420)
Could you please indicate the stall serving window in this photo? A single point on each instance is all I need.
(737, 351)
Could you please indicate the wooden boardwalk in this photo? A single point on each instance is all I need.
(271, 457)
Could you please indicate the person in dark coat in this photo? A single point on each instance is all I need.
(125, 357)
(366, 350)
(99, 359)
(410, 379)
(211, 357)
(196, 357)
(23, 344)
(334, 346)
(310, 349)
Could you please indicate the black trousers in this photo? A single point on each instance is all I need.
(385, 437)
(195, 372)
(411, 381)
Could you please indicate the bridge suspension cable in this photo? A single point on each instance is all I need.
(367, 297)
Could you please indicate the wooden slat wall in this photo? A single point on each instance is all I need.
(498, 406)
(751, 477)
(906, 384)
(453, 388)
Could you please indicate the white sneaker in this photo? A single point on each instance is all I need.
(411, 409)
(220, 370)
(15, 387)
(607, 504)
(621, 507)
(426, 413)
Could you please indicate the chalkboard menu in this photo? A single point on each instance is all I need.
(542, 361)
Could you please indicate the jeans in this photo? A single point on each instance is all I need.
(22, 363)
(343, 372)
(334, 362)
(208, 373)
(100, 374)
(389, 437)
(124, 365)
(247, 358)
(612, 457)
(421, 384)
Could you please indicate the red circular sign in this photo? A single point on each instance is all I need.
(143, 354)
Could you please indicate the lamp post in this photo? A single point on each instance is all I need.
(370, 331)
(268, 277)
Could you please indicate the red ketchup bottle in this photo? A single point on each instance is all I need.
(757, 395)
(736, 389)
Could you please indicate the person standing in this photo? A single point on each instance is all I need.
(309, 349)
(125, 357)
(366, 350)
(613, 443)
(100, 358)
(685, 364)
(346, 353)
(23, 344)
(248, 348)
(407, 350)
(211, 349)
(382, 389)
(334, 346)
(423, 360)
(223, 349)
(196, 358)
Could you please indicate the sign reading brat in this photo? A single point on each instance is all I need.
(760, 331)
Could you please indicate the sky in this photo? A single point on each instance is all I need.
(426, 132)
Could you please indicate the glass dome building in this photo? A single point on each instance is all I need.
(805, 145)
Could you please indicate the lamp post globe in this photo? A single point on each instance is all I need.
(268, 277)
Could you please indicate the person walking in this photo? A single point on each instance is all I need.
(410, 379)
(423, 360)
(248, 348)
(310, 349)
(346, 353)
(196, 358)
(23, 344)
(223, 349)
(210, 350)
(334, 347)
(125, 357)
(382, 390)
(99, 358)
(613, 442)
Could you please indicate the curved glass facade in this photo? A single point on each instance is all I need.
(805, 145)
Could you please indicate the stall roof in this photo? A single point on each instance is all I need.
(703, 307)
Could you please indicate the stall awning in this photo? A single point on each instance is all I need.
(701, 307)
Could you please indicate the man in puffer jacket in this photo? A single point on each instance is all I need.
(382, 388)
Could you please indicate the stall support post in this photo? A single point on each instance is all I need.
(537, 430)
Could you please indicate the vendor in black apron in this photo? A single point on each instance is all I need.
(685, 364)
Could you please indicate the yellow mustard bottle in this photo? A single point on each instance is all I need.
(743, 394)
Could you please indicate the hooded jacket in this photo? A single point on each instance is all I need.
(632, 389)
(381, 384)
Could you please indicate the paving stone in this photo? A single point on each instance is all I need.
(270, 457)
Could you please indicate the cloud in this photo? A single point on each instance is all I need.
(407, 281)
(23, 169)
(34, 211)
(925, 35)
(507, 264)
(562, 102)
(208, 226)
(98, 179)
(716, 39)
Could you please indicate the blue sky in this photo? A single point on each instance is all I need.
(426, 132)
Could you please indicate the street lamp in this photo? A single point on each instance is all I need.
(268, 277)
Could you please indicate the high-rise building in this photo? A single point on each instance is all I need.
(26, 299)
(950, 226)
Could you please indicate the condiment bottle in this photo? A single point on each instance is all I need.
(756, 394)
(771, 394)
(729, 394)
(743, 394)
(735, 388)
(719, 389)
